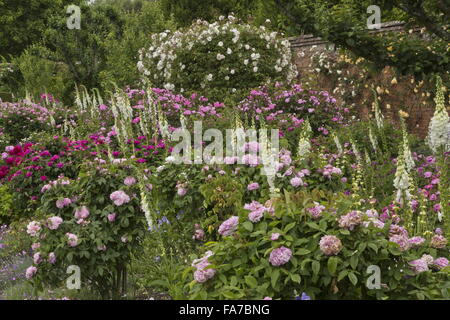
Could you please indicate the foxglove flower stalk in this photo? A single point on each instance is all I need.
(337, 143)
(401, 180)
(378, 115)
(439, 128)
(373, 139)
(407, 155)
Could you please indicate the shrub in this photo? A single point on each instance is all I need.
(317, 244)
(44, 76)
(95, 223)
(220, 58)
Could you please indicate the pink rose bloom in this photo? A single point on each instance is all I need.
(129, 181)
(119, 198)
(199, 234)
(274, 236)
(253, 186)
(51, 258)
(280, 256)
(81, 213)
(30, 272)
(72, 239)
(111, 217)
(296, 182)
(37, 258)
(181, 191)
(228, 227)
(54, 222)
(63, 203)
(35, 246)
(33, 228)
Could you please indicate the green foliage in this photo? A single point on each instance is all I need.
(122, 52)
(44, 76)
(84, 51)
(24, 21)
(344, 23)
(104, 248)
(244, 270)
(6, 204)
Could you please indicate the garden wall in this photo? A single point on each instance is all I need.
(395, 93)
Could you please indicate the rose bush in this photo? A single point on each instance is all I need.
(220, 58)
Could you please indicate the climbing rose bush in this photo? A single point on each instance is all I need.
(220, 58)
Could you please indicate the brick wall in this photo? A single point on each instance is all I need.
(404, 93)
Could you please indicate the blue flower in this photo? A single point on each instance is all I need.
(304, 296)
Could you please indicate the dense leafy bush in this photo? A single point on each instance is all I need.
(220, 58)
(316, 244)
(41, 75)
(94, 222)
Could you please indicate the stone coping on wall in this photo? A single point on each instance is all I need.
(309, 40)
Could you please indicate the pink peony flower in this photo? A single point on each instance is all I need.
(253, 186)
(63, 203)
(37, 258)
(51, 258)
(274, 236)
(280, 256)
(330, 245)
(296, 182)
(82, 213)
(30, 272)
(181, 191)
(72, 239)
(54, 222)
(119, 198)
(129, 181)
(228, 227)
(33, 228)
